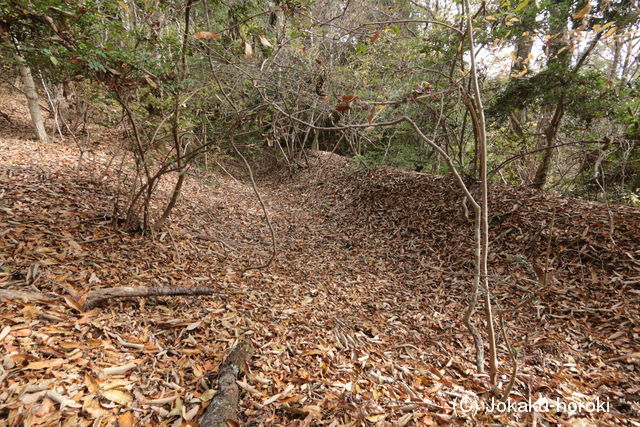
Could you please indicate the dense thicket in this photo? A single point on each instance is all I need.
(560, 79)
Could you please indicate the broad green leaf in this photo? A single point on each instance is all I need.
(522, 5)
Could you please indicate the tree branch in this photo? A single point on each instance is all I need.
(223, 409)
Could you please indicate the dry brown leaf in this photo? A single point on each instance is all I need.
(5, 332)
(45, 364)
(583, 12)
(372, 115)
(117, 396)
(206, 35)
(44, 408)
(265, 42)
(126, 419)
(91, 383)
(248, 50)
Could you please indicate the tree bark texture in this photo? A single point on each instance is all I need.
(32, 98)
(223, 409)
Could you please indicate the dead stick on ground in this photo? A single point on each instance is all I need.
(546, 261)
(27, 296)
(224, 405)
(512, 353)
(175, 246)
(94, 298)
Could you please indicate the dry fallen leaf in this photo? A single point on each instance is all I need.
(5, 332)
(248, 50)
(264, 41)
(206, 35)
(126, 419)
(44, 408)
(176, 411)
(45, 364)
(117, 396)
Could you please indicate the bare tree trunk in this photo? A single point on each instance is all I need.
(484, 203)
(558, 58)
(617, 50)
(32, 98)
(540, 178)
(520, 65)
(627, 59)
(176, 122)
(172, 202)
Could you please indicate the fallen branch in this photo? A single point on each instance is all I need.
(223, 409)
(27, 296)
(94, 298)
(514, 372)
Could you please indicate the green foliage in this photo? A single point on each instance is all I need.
(587, 94)
(333, 74)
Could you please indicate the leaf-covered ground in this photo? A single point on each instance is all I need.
(358, 321)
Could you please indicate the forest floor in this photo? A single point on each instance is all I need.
(357, 322)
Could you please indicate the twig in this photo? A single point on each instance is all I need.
(97, 239)
(28, 296)
(514, 371)
(411, 21)
(548, 255)
(606, 202)
(274, 248)
(253, 185)
(118, 370)
(223, 242)
(227, 172)
(6, 117)
(175, 247)
(537, 150)
(54, 108)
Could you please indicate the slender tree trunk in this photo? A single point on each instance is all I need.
(174, 199)
(32, 98)
(550, 133)
(520, 65)
(617, 50)
(558, 58)
(627, 59)
(484, 203)
(176, 122)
